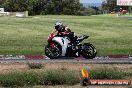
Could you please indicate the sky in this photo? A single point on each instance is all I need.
(91, 1)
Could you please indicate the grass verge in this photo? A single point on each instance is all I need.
(16, 79)
(56, 77)
(107, 73)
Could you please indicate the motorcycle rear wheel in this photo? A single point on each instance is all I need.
(53, 53)
(89, 51)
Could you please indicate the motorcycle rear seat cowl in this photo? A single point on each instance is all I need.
(82, 37)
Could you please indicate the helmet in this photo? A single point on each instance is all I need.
(58, 25)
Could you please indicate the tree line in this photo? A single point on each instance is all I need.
(37, 7)
(64, 7)
(109, 6)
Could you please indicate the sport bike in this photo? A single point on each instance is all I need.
(61, 46)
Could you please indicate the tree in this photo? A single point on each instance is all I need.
(110, 6)
(97, 11)
(40, 7)
(67, 7)
(71, 7)
(1, 3)
(18, 5)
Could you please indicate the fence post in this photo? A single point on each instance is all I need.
(26, 13)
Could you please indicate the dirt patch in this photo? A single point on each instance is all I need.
(79, 86)
(4, 68)
(64, 66)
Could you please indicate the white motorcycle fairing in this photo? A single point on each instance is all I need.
(63, 41)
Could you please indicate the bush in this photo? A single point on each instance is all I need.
(83, 13)
(35, 65)
(60, 78)
(106, 73)
(130, 87)
(128, 74)
(87, 12)
(56, 77)
(16, 79)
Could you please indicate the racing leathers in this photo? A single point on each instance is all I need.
(65, 31)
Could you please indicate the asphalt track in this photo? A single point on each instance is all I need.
(97, 60)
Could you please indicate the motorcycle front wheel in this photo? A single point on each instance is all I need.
(89, 51)
(53, 53)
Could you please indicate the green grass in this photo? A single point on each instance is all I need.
(106, 73)
(17, 79)
(56, 77)
(109, 34)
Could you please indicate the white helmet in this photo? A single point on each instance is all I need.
(58, 25)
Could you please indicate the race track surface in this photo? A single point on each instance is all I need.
(97, 60)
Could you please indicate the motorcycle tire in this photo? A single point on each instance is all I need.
(89, 51)
(53, 53)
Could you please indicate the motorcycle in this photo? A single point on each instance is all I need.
(59, 46)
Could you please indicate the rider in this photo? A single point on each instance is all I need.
(65, 31)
